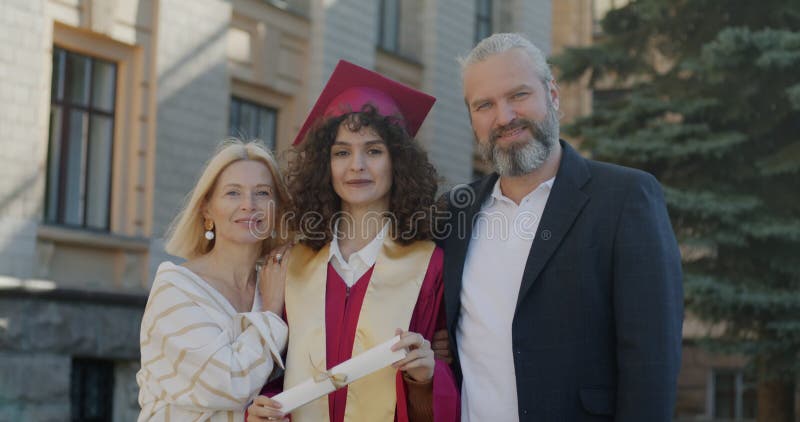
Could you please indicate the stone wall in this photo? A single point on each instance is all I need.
(39, 337)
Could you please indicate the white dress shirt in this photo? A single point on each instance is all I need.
(498, 251)
(360, 262)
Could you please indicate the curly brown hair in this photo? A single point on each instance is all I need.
(315, 203)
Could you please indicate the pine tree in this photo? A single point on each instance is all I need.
(711, 107)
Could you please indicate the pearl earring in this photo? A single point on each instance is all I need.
(209, 226)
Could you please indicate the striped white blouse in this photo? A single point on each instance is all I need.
(201, 360)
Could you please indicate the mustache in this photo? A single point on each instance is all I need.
(511, 126)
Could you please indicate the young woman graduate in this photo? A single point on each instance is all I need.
(366, 268)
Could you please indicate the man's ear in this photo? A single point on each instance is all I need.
(554, 94)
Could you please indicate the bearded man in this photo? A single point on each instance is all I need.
(564, 294)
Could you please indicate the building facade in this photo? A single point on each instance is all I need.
(110, 109)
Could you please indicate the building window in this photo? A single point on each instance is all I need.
(91, 390)
(389, 25)
(249, 120)
(734, 395)
(81, 139)
(599, 10)
(483, 19)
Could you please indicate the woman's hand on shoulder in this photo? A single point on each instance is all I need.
(272, 278)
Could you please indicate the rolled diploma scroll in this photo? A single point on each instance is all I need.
(344, 373)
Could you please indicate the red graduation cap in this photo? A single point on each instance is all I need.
(350, 87)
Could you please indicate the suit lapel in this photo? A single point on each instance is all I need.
(565, 202)
(465, 201)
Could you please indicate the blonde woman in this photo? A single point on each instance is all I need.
(212, 331)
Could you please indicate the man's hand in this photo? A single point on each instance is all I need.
(441, 346)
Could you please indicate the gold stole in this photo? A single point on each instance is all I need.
(388, 304)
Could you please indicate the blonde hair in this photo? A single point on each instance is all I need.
(185, 236)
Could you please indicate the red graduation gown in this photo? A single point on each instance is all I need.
(342, 309)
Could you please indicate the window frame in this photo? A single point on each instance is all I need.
(134, 133)
(739, 391)
(272, 144)
(486, 19)
(78, 370)
(382, 20)
(66, 105)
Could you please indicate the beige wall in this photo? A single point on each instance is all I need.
(268, 52)
(122, 32)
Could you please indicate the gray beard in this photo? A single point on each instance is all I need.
(522, 158)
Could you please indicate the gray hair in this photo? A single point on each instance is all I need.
(500, 43)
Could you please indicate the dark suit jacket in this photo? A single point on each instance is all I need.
(596, 333)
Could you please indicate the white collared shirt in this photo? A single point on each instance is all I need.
(498, 251)
(360, 261)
